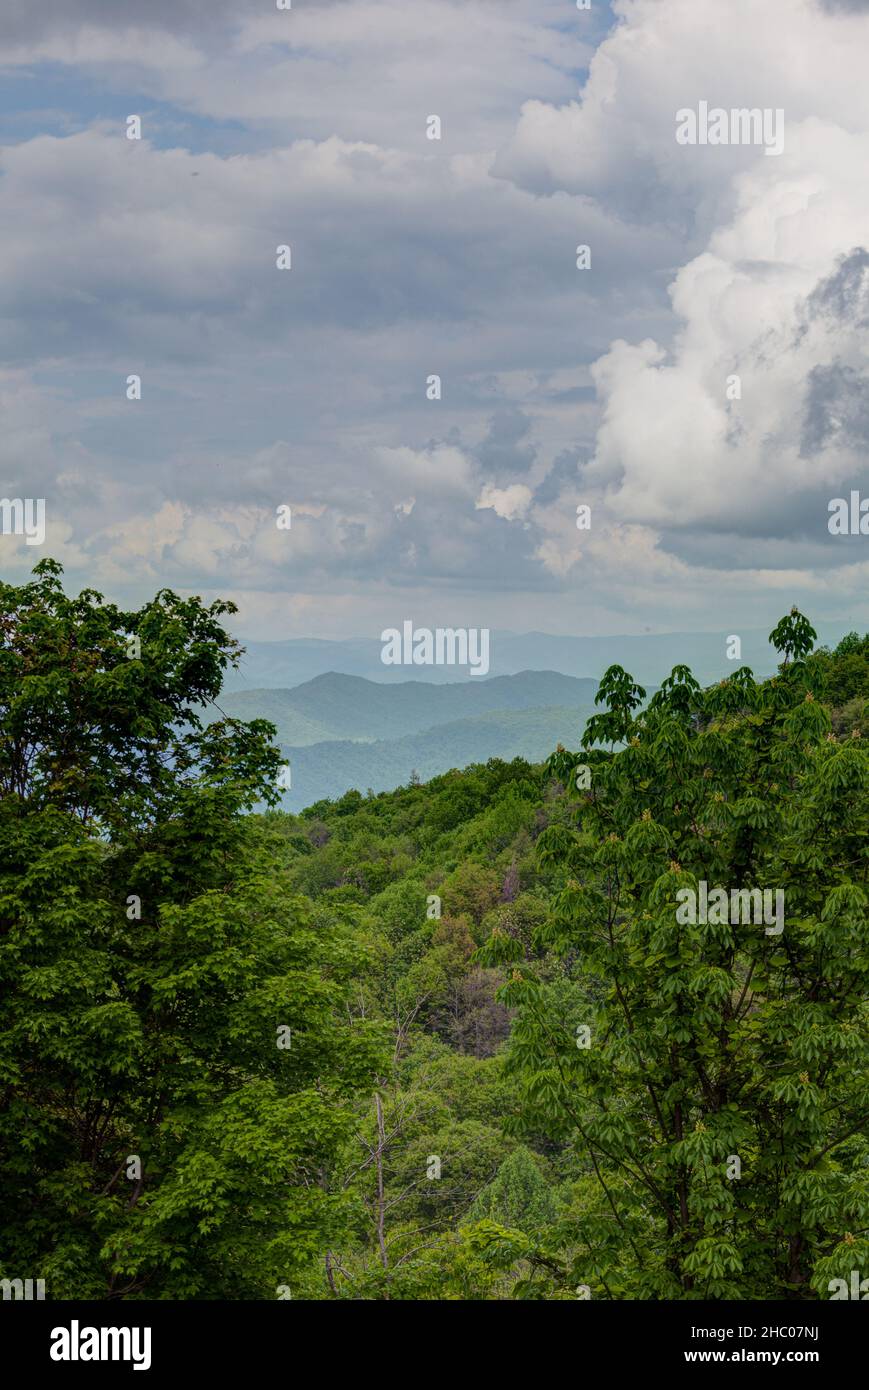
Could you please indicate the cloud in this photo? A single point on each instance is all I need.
(511, 502)
(610, 387)
(618, 142)
(737, 424)
(363, 69)
(262, 387)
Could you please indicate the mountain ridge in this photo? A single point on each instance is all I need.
(328, 770)
(337, 705)
(649, 657)
(339, 731)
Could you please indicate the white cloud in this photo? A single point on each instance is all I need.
(618, 141)
(672, 449)
(511, 503)
(412, 257)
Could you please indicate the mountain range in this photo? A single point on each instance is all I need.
(649, 657)
(345, 720)
(339, 732)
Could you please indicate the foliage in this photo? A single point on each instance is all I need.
(155, 1140)
(512, 1071)
(722, 1102)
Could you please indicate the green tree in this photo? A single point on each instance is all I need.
(712, 1074)
(844, 673)
(519, 1196)
(155, 1139)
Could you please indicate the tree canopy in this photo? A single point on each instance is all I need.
(176, 1063)
(462, 1040)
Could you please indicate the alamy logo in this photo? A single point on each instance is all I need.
(740, 126)
(76, 1343)
(849, 520)
(859, 1289)
(23, 517)
(445, 646)
(23, 1289)
(739, 906)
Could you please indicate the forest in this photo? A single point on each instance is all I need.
(448, 1042)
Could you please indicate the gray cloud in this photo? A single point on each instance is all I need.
(837, 409)
(563, 476)
(844, 294)
(413, 257)
(505, 453)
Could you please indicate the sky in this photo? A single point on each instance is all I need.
(701, 386)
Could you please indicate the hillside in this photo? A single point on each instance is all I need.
(330, 769)
(339, 732)
(470, 1039)
(337, 706)
(510, 962)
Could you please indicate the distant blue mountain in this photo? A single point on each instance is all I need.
(360, 724)
(337, 706)
(649, 658)
(339, 732)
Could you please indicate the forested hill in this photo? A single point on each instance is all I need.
(467, 1039)
(336, 706)
(427, 874)
(456, 895)
(337, 731)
